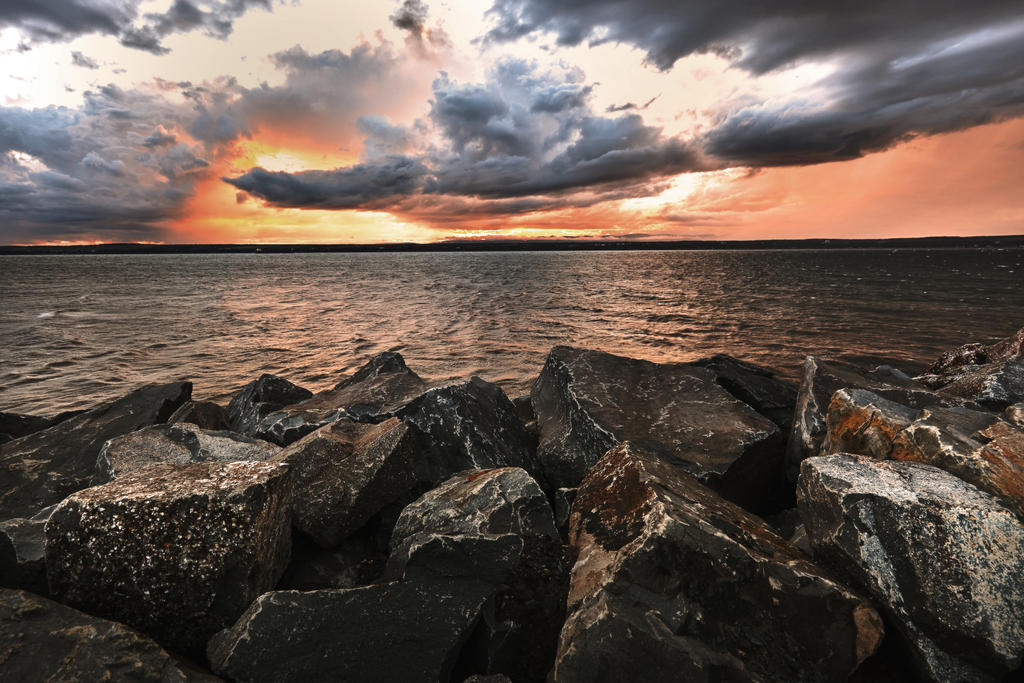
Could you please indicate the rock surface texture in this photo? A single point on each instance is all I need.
(344, 473)
(23, 554)
(259, 398)
(495, 526)
(40, 469)
(589, 401)
(472, 425)
(992, 375)
(177, 444)
(372, 394)
(756, 386)
(673, 582)
(41, 640)
(942, 559)
(976, 446)
(178, 552)
(203, 414)
(404, 632)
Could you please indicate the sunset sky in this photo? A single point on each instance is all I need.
(386, 121)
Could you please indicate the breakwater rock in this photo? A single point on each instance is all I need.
(626, 520)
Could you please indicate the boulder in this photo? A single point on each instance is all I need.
(494, 526)
(976, 446)
(259, 398)
(41, 640)
(674, 582)
(346, 472)
(821, 379)
(372, 394)
(942, 559)
(355, 562)
(471, 425)
(403, 632)
(41, 469)
(756, 386)
(177, 551)
(16, 425)
(972, 355)
(589, 401)
(23, 554)
(204, 414)
(177, 444)
(992, 375)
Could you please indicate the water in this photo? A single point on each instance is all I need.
(76, 330)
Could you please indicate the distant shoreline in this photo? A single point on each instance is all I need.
(986, 242)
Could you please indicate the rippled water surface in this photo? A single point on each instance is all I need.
(75, 330)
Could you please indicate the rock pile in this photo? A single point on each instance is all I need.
(627, 520)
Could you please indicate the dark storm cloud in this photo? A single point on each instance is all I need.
(411, 17)
(524, 139)
(78, 59)
(902, 69)
(63, 20)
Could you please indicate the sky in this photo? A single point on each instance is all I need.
(323, 121)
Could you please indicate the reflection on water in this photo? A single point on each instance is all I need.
(75, 330)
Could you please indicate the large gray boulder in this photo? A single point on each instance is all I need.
(372, 394)
(756, 386)
(471, 425)
(259, 398)
(41, 640)
(406, 632)
(346, 472)
(673, 582)
(177, 551)
(977, 446)
(495, 526)
(589, 401)
(992, 375)
(175, 444)
(821, 379)
(41, 469)
(942, 559)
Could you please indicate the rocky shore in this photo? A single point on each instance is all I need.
(624, 521)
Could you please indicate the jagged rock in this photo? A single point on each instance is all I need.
(259, 398)
(673, 582)
(524, 408)
(355, 562)
(177, 551)
(204, 414)
(403, 632)
(976, 446)
(346, 472)
(40, 469)
(756, 386)
(1015, 414)
(942, 558)
(588, 401)
(992, 375)
(17, 425)
(41, 640)
(23, 553)
(178, 444)
(496, 526)
(371, 394)
(563, 507)
(821, 379)
(472, 425)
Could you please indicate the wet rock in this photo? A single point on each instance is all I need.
(976, 446)
(41, 469)
(355, 562)
(346, 472)
(178, 444)
(821, 379)
(563, 507)
(204, 414)
(692, 587)
(1015, 414)
(472, 425)
(23, 554)
(756, 386)
(992, 375)
(588, 401)
(371, 394)
(495, 526)
(177, 551)
(942, 558)
(259, 398)
(402, 632)
(41, 640)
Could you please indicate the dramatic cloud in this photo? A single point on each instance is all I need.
(522, 134)
(900, 69)
(64, 20)
(411, 17)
